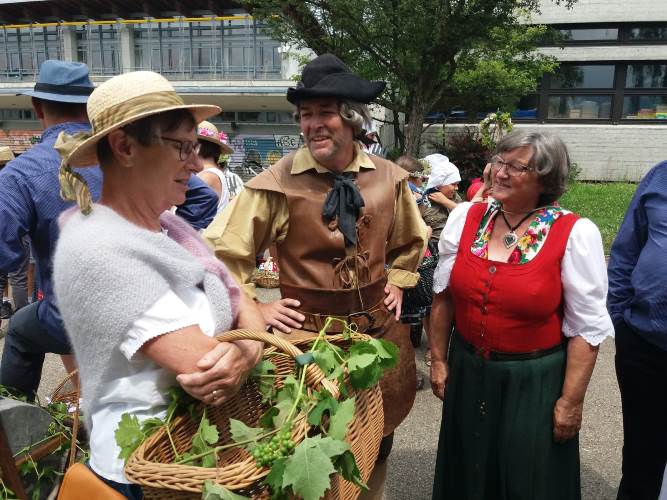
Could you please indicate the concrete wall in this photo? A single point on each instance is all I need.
(602, 11)
(603, 152)
(608, 53)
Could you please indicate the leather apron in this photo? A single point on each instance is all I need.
(329, 279)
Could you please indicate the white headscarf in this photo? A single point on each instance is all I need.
(443, 172)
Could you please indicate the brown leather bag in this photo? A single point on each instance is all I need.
(81, 483)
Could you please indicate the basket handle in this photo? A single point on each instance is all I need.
(314, 375)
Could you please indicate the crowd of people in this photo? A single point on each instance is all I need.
(145, 244)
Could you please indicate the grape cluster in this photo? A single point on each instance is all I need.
(279, 446)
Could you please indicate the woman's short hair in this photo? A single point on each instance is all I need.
(209, 150)
(411, 165)
(147, 131)
(353, 114)
(550, 160)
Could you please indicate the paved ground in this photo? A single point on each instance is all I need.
(412, 462)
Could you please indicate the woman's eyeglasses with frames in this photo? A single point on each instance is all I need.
(186, 148)
(512, 169)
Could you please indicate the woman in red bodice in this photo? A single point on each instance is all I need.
(517, 318)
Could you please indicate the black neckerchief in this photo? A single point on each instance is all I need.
(344, 201)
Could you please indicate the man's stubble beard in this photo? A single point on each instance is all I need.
(325, 154)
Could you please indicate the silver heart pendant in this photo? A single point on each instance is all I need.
(510, 239)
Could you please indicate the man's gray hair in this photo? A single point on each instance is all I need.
(550, 160)
(354, 114)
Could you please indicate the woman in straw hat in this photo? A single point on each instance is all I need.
(140, 295)
(212, 144)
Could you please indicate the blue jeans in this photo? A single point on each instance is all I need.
(131, 491)
(26, 344)
(19, 283)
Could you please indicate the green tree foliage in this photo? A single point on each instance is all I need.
(429, 51)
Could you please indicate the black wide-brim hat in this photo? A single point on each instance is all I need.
(328, 76)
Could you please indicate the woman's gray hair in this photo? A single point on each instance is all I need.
(354, 114)
(550, 160)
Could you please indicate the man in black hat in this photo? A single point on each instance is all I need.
(349, 236)
(30, 204)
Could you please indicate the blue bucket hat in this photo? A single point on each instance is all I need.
(62, 81)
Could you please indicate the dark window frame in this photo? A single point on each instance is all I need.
(623, 34)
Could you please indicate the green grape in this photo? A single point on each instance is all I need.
(280, 445)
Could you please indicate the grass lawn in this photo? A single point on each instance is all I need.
(603, 203)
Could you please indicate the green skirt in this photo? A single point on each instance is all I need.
(496, 437)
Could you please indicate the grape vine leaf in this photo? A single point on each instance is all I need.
(283, 407)
(150, 425)
(212, 491)
(340, 419)
(364, 371)
(331, 447)
(290, 389)
(241, 432)
(326, 403)
(265, 384)
(387, 352)
(328, 358)
(346, 465)
(266, 420)
(275, 478)
(308, 469)
(128, 435)
(202, 441)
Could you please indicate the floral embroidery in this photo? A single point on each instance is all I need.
(529, 243)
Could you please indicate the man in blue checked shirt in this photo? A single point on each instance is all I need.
(637, 303)
(30, 204)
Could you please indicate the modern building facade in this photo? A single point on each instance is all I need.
(213, 52)
(608, 100)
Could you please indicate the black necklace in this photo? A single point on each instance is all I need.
(510, 238)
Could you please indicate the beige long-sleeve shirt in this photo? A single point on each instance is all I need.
(258, 218)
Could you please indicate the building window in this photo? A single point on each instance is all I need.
(583, 77)
(646, 76)
(251, 116)
(584, 107)
(587, 35)
(645, 107)
(98, 45)
(207, 49)
(648, 34)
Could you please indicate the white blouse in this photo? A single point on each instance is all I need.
(140, 385)
(583, 276)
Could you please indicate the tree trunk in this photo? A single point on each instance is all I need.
(414, 125)
(399, 136)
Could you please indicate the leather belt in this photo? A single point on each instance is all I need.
(336, 302)
(506, 356)
(367, 321)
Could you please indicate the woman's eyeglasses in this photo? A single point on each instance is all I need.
(512, 169)
(186, 148)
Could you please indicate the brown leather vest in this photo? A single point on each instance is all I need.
(313, 256)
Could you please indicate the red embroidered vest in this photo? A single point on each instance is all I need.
(510, 307)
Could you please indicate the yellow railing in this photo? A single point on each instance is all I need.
(130, 21)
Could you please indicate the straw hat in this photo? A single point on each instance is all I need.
(206, 131)
(124, 99)
(5, 155)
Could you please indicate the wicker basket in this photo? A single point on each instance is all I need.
(266, 279)
(151, 465)
(67, 391)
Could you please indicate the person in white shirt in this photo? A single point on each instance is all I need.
(212, 144)
(141, 295)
